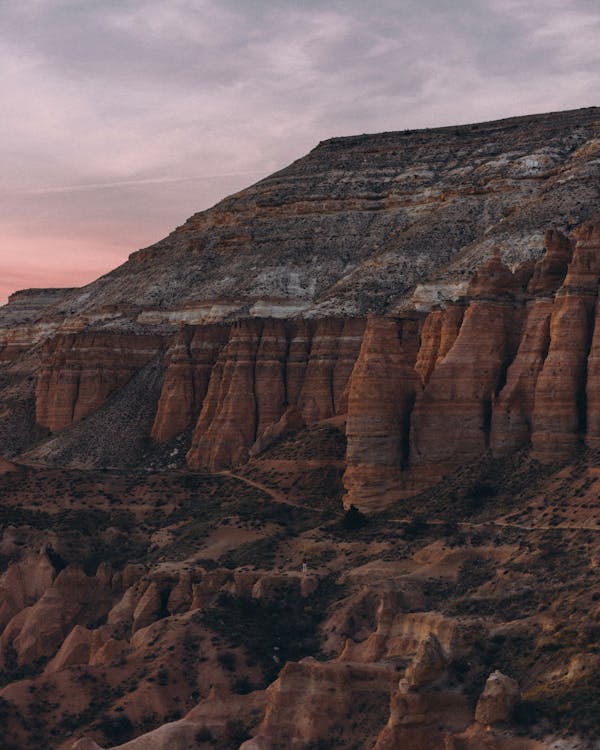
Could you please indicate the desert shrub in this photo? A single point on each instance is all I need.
(283, 628)
(235, 733)
(242, 686)
(573, 706)
(227, 660)
(354, 519)
(204, 735)
(116, 729)
(416, 527)
(474, 573)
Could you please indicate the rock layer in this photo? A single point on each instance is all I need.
(265, 368)
(80, 371)
(189, 363)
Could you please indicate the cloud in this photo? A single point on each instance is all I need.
(121, 118)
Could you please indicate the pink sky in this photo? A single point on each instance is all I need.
(122, 118)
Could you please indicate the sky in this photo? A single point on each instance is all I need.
(121, 118)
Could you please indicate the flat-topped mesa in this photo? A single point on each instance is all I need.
(266, 367)
(28, 304)
(381, 394)
(80, 371)
(559, 415)
(355, 224)
(451, 420)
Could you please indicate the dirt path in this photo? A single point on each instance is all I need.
(276, 495)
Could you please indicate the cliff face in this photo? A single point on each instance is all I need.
(189, 363)
(80, 371)
(381, 394)
(513, 364)
(265, 368)
(452, 416)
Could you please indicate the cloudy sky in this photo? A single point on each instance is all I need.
(120, 118)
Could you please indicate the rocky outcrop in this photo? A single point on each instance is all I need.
(513, 407)
(23, 583)
(451, 421)
(189, 363)
(80, 371)
(266, 369)
(380, 398)
(38, 630)
(427, 666)
(227, 424)
(498, 699)
(305, 701)
(423, 720)
(559, 417)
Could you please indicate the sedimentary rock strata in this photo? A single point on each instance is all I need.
(81, 370)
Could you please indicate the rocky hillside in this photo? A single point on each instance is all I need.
(353, 226)
(319, 470)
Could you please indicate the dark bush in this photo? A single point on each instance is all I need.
(354, 519)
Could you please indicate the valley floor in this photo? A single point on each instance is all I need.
(248, 609)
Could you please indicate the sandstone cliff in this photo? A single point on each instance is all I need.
(265, 368)
(80, 371)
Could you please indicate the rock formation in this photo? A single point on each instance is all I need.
(559, 415)
(265, 369)
(189, 363)
(451, 421)
(351, 227)
(381, 394)
(498, 699)
(81, 370)
(176, 568)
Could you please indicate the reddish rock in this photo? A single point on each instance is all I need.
(381, 393)
(304, 704)
(550, 270)
(423, 721)
(226, 427)
(559, 411)
(348, 347)
(290, 421)
(427, 666)
(80, 371)
(500, 695)
(266, 369)
(301, 334)
(513, 408)
(37, 631)
(148, 608)
(23, 583)
(74, 650)
(269, 375)
(452, 417)
(591, 236)
(493, 280)
(190, 359)
(430, 344)
(317, 397)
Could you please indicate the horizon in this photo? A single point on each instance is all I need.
(123, 121)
